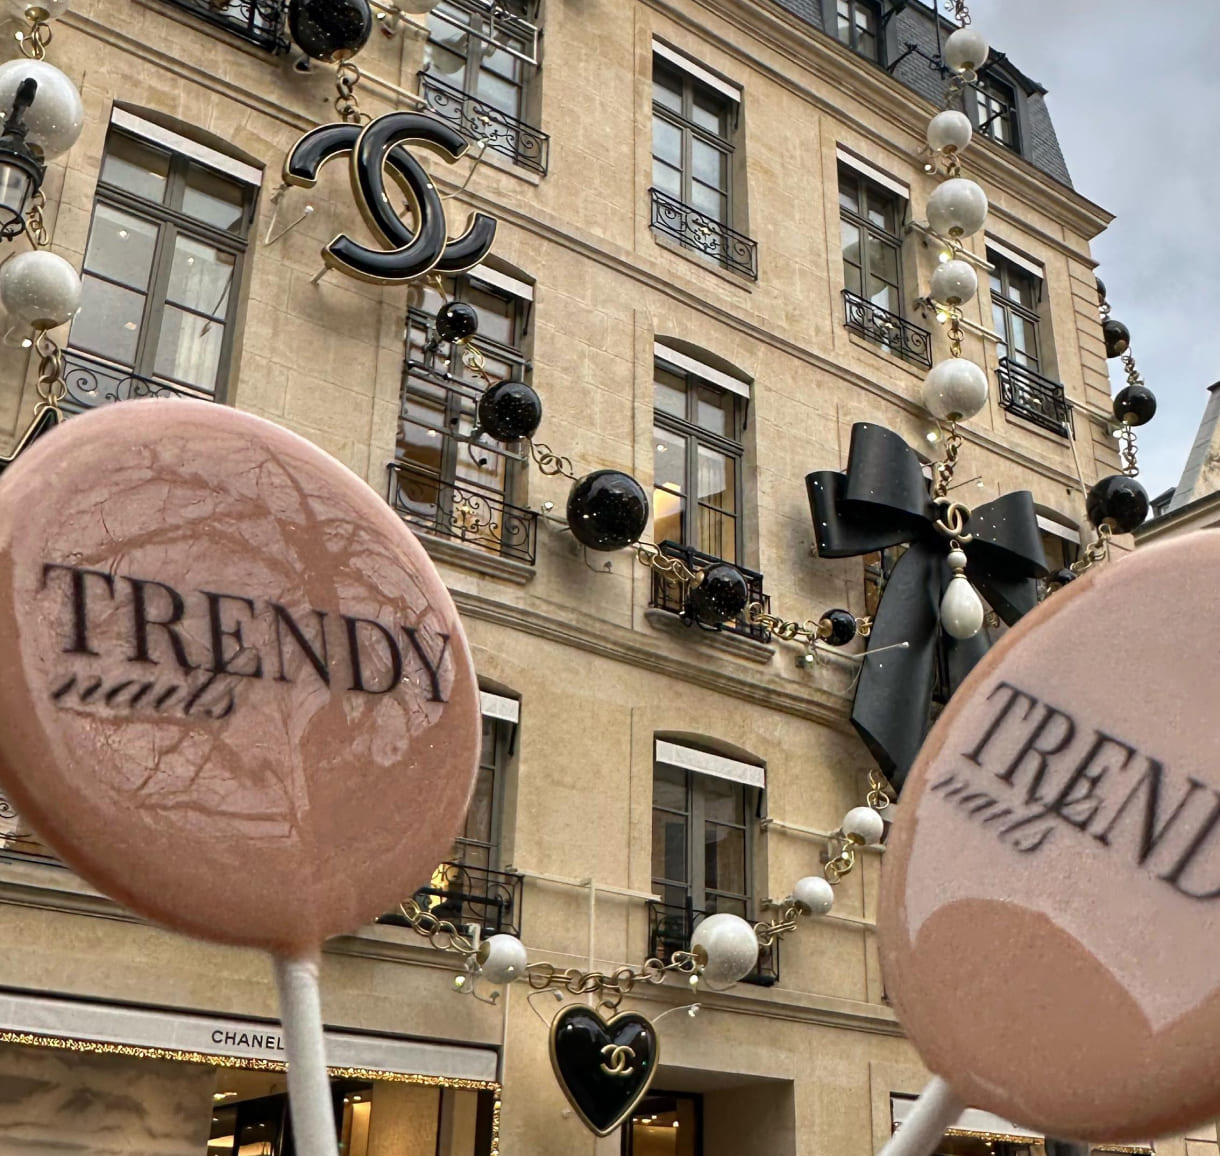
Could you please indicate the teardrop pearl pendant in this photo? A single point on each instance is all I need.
(961, 609)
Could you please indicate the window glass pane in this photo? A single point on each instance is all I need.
(497, 315)
(449, 64)
(669, 393)
(189, 348)
(667, 178)
(669, 787)
(499, 93)
(484, 469)
(667, 510)
(882, 210)
(843, 27)
(670, 459)
(723, 801)
(666, 87)
(999, 318)
(717, 479)
(419, 444)
(136, 167)
(726, 904)
(866, 44)
(715, 411)
(666, 141)
(121, 246)
(201, 277)
(882, 265)
(724, 858)
(478, 815)
(711, 202)
(211, 198)
(708, 165)
(708, 110)
(109, 321)
(666, 1125)
(669, 846)
(849, 191)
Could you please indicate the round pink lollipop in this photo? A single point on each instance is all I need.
(1050, 906)
(236, 696)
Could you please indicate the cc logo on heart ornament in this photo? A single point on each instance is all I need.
(371, 149)
(604, 1067)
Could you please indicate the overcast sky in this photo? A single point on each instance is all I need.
(1134, 93)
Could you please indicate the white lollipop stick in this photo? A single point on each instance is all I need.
(309, 1094)
(936, 1109)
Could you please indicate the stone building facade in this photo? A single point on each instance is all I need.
(638, 770)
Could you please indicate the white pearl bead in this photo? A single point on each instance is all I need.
(966, 50)
(55, 119)
(954, 282)
(731, 947)
(864, 825)
(950, 132)
(961, 609)
(39, 288)
(814, 894)
(955, 390)
(502, 959)
(957, 208)
(957, 559)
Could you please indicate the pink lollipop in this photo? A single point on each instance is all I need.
(238, 698)
(1050, 906)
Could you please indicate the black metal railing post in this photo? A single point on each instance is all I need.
(463, 510)
(705, 234)
(522, 144)
(667, 593)
(899, 336)
(1035, 398)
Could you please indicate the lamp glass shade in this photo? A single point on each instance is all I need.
(55, 119)
(957, 208)
(16, 184)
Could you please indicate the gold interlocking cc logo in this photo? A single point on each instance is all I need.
(621, 1060)
(381, 143)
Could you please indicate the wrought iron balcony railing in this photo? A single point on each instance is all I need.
(17, 839)
(1035, 398)
(470, 895)
(670, 929)
(705, 234)
(667, 593)
(525, 146)
(463, 510)
(887, 329)
(261, 22)
(92, 383)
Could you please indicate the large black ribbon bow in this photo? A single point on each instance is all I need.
(884, 500)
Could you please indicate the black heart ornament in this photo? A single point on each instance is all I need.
(604, 1068)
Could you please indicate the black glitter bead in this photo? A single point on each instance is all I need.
(510, 410)
(456, 321)
(842, 625)
(721, 596)
(1135, 405)
(607, 510)
(1117, 337)
(1063, 577)
(331, 30)
(1119, 502)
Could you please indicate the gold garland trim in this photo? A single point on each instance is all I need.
(248, 1063)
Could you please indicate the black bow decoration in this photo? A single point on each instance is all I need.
(604, 1068)
(884, 500)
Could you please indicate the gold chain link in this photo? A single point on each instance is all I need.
(944, 469)
(1095, 552)
(955, 333)
(35, 224)
(33, 43)
(808, 631)
(650, 556)
(347, 104)
(550, 463)
(878, 796)
(52, 387)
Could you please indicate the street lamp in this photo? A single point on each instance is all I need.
(21, 169)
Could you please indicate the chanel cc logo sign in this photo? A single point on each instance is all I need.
(373, 148)
(619, 1060)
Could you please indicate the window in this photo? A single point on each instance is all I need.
(665, 1124)
(858, 25)
(479, 843)
(691, 148)
(1015, 297)
(702, 834)
(441, 479)
(1060, 542)
(162, 268)
(870, 220)
(995, 111)
(696, 463)
(478, 74)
